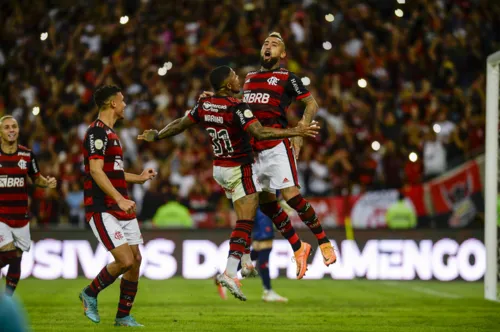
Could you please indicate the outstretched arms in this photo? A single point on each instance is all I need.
(262, 133)
(173, 128)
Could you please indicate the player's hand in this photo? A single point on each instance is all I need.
(148, 135)
(205, 94)
(304, 130)
(51, 182)
(147, 174)
(126, 205)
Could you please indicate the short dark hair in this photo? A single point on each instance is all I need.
(218, 76)
(103, 92)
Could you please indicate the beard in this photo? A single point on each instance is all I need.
(268, 64)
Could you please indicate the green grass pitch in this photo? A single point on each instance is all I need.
(314, 305)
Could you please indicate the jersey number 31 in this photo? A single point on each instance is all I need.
(218, 138)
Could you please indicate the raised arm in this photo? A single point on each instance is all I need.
(173, 128)
(311, 109)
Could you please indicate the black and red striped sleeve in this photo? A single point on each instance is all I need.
(33, 169)
(296, 88)
(244, 116)
(96, 142)
(194, 115)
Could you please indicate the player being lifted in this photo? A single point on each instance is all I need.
(229, 122)
(16, 162)
(269, 92)
(108, 209)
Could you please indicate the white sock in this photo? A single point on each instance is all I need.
(232, 266)
(246, 260)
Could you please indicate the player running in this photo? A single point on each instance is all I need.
(16, 162)
(108, 209)
(228, 121)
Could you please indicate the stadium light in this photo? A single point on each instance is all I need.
(327, 45)
(306, 80)
(44, 36)
(362, 83)
(398, 13)
(36, 110)
(162, 71)
(167, 65)
(401, 2)
(124, 19)
(436, 128)
(375, 145)
(329, 17)
(413, 157)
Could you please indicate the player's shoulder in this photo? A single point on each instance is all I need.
(23, 148)
(96, 126)
(234, 101)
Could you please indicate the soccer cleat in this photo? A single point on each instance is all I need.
(233, 285)
(221, 290)
(249, 271)
(328, 253)
(127, 321)
(90, 307)
(272, 296)
(301, 259)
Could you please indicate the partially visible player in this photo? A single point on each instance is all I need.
(269, 92)
(229, 122)
(16, 164)
(108, 208)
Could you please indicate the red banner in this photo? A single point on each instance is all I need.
(458, 197)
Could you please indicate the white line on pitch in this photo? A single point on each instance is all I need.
(425, 290)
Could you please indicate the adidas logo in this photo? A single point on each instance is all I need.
(286, 180)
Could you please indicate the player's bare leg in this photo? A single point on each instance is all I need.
(128, 290)
(245, 208)
(308, 216)
(270, 207)
(124, 261)
(10, 255)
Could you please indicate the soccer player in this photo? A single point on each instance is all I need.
(229, 122)
(269, 92)
(16, 163)
(108, 208)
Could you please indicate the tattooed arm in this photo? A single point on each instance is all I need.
(173, 128)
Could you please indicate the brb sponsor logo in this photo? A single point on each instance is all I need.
(385, 259)
(256, 98)
(9, 182)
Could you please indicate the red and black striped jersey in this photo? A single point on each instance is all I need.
(269, 94)
(226, 120)
(14, 187)
(101, 142)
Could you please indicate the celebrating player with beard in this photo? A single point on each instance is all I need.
(229, 122)
(269, 92)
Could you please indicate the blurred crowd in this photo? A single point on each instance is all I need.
(401, 93)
